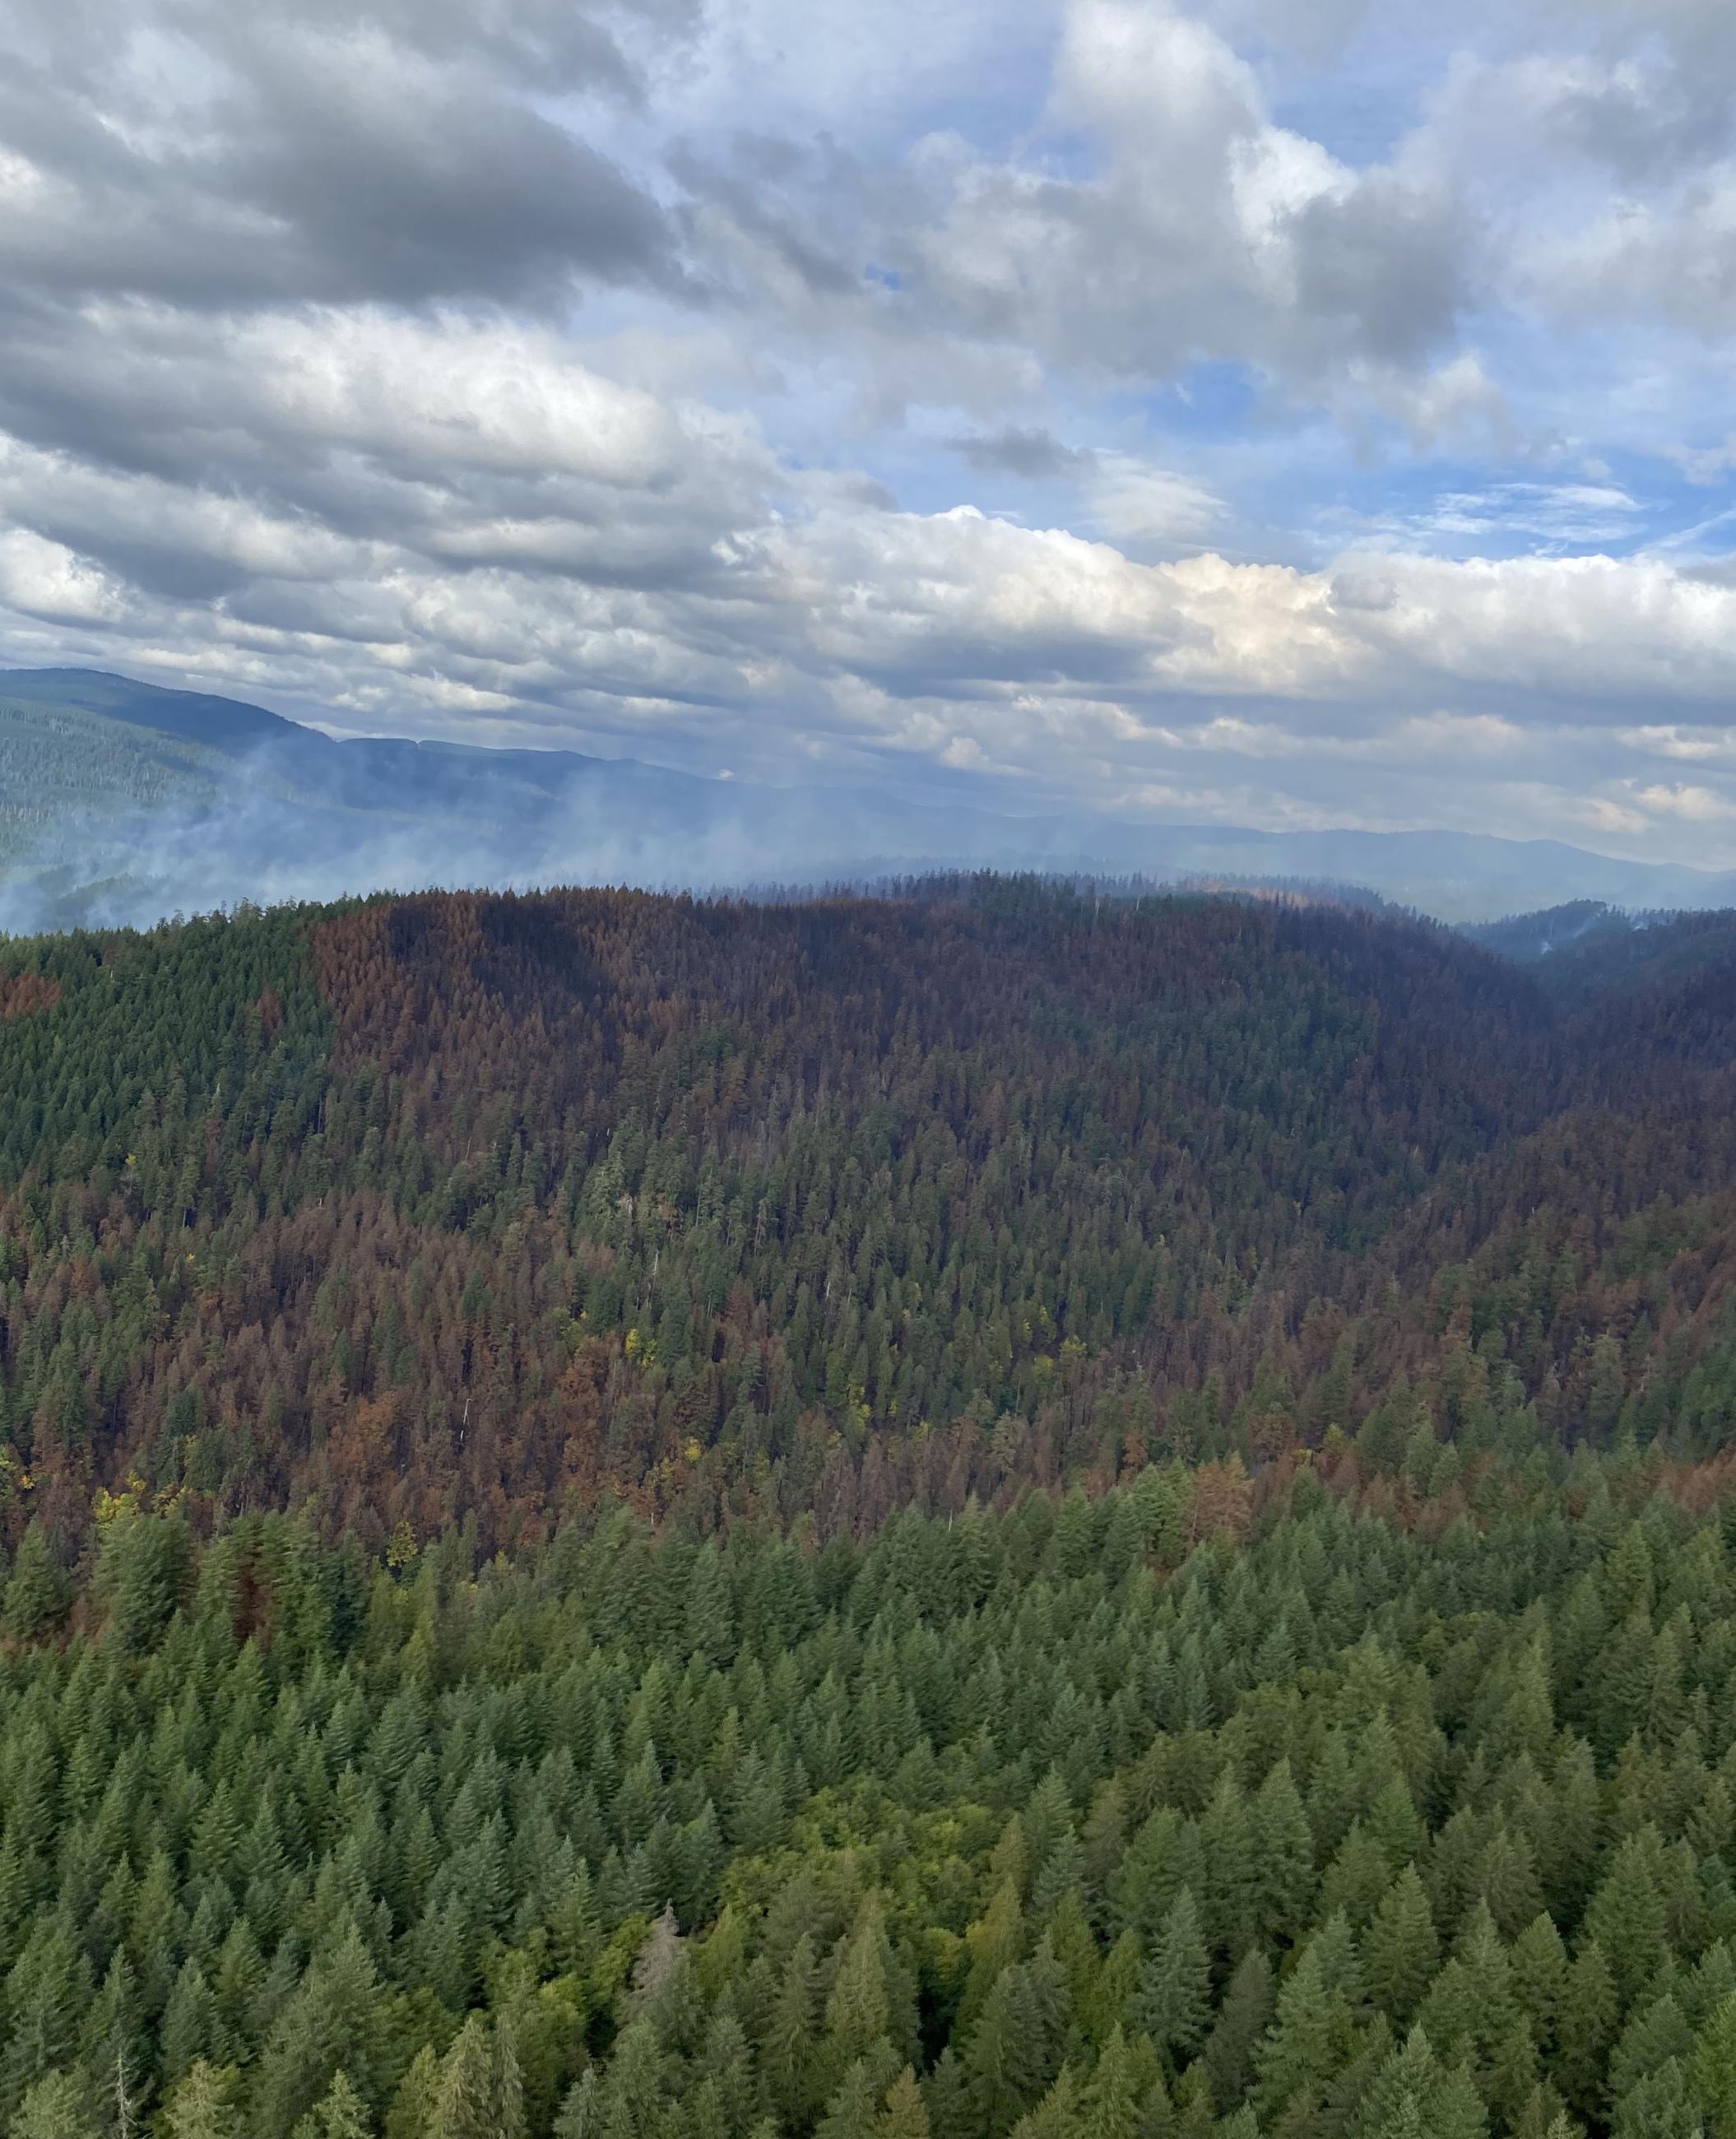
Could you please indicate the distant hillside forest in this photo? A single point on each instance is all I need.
(472, 1210)
(985, 1514)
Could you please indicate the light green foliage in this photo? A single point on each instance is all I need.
(341, 2115)
(204, 2104)
(57, 2107)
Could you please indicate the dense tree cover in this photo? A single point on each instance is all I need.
(460, 1206)
(55, 760)
(988, 1512)
(1210, 1808)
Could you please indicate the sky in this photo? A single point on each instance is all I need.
(1283, 412)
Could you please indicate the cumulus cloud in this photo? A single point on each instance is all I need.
(1200, 229)
(206, 154)
(1083, 407)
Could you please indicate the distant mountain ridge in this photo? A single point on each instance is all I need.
(1585, 948)
(121, 800)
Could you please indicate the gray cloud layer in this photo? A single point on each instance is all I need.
(728, 389)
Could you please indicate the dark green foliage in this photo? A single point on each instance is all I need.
(38, 1593)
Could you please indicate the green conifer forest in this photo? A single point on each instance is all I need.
(987, 1510)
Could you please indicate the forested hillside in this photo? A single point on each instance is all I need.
(984, 1511)
(61, 763)
(467, 1208)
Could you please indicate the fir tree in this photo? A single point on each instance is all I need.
(1713, 2072)
(38, 1592)
(342, 2114)
(1585, 2026)
(1414, 2093)
(58, 2106)
(204, 2104)
(1401, 1947)
(905, 2115)
(1174, 1999)
(1241, 2026)
(1282, 1859)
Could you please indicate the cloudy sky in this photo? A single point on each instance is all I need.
(1274, 412)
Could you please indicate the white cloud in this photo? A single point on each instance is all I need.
(478, 370)
(1550, 515)
(1671, 740)
(1600, 632)
(1201, 230)
(1692, 804)
(46, 581)
(1131, 500)
(1671, 258)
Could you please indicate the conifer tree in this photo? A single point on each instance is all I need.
(1628, 1914)
(1540, 1977)
(464, 2105)
(1659, 2104)
(1226, 1911)
(905, 2115)
(946, 2091)
(113, 2037)
(858, 2008)
(1584, 2028)
(58, 2106)
(204, 2104)
(416, 2104)
(1174, 1999)
(787, 2043)
(1013, 2054)
(38, 1592)
(342, 2114)
(1357, 1879)
(994, 1941)
(1401, 1950)
(47, 1993)
(328, 2025)
(1414, 2092)
(1656, 2033)
(1282, 1852)
(1055, 2116)
(190, 2029)
(1312, 2037)
(851, 2112)
(1109, 2103)
(1241, 2026)
(1713, 2072)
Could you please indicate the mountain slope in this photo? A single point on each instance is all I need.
(1575, 952)
(194, 717)
(711, 1202)
(62, 764)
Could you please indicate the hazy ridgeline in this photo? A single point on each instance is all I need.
(121, 803)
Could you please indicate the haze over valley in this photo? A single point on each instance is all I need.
(124, 803)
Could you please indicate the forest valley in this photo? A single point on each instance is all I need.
(983, 1511)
